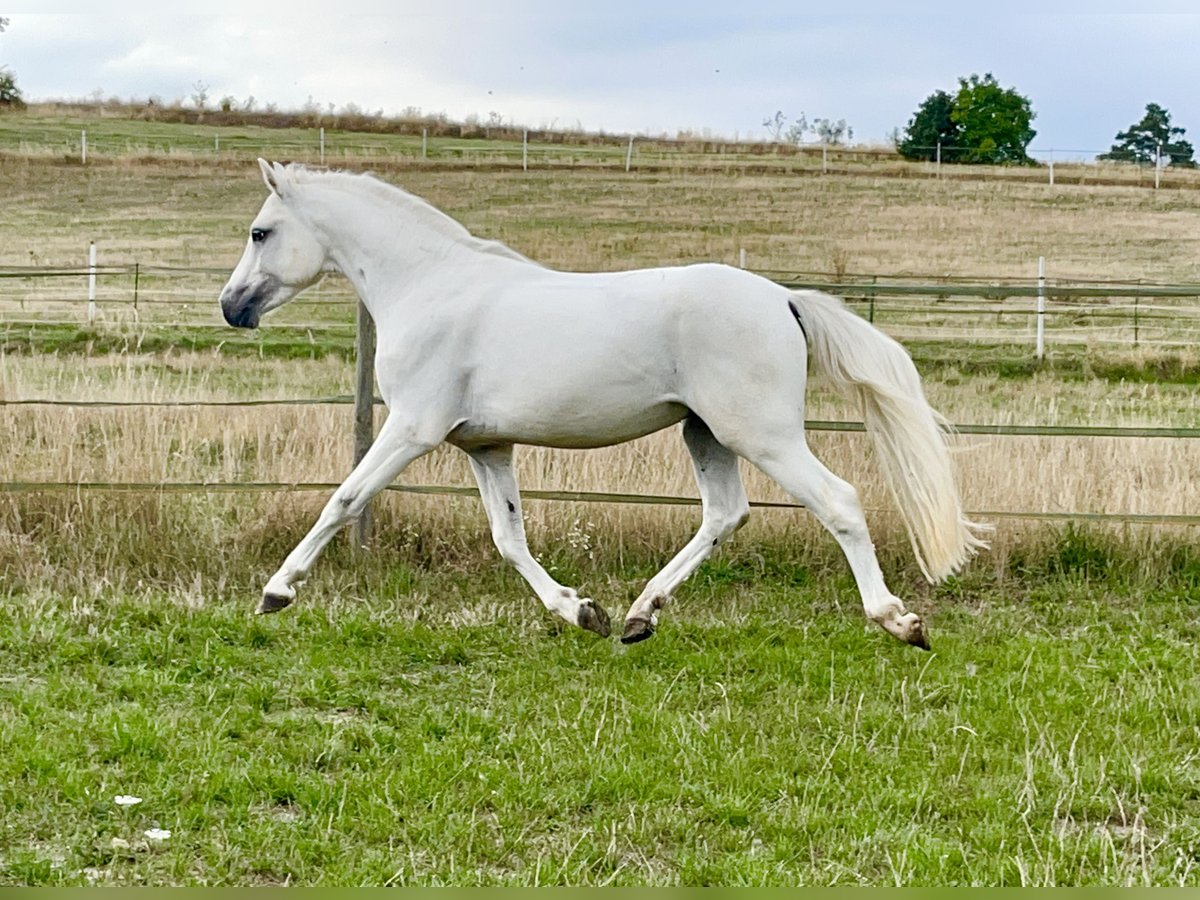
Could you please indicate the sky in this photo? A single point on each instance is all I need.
(626, 67)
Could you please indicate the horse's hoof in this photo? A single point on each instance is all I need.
(593, 618)
(917, 637)
(272, 603)
(637, 629)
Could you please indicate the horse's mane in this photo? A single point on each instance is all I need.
(389, 194)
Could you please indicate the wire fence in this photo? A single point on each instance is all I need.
(941, 309)
(92, 136)
(1069, 312)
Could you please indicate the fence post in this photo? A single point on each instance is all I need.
(938, 161)
(1041, 308)
(91, 312)
(364, 407)
(525, 150)
(83, 147)
(824, 159)
(322, 145)
(424, 143)
(1158, 166)
(137, 277)
(742, 258)
(629, 154)
(1051, 168)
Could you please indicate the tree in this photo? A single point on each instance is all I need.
(10, 94)
(1143, 142)
(200, 94)
(930, 127)
(774, 124)
(993, 122)
(981, 123)
(831, 132)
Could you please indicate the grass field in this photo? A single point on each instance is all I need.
(386, 738)
(417, 719)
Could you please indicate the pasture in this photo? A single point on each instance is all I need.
(418, 719)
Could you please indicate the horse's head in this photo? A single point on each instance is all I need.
(283, 256)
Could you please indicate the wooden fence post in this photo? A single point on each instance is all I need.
(1041, 308)
(364, 408)
(91, 307)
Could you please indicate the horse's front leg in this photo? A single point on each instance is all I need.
(498, 489)
(396, 446)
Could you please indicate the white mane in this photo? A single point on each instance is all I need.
(411, 205)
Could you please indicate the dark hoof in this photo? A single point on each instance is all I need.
(272, 603)
(637, 630)
(593, 618)
(918, 638)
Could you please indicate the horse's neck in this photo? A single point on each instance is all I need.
(381, 242)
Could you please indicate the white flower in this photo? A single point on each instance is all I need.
(126, 800)
(157, 834)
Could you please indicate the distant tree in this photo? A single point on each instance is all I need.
(10, 94)
(1142, 142)
(775, 124)
(797, 130)
(930, 127)
(827, 131)
(981, 123)
(200, 94)
(831, 132)
(993, 122)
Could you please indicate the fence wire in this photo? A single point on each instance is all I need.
(912, 302)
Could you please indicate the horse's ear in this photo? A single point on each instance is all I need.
(270, 174)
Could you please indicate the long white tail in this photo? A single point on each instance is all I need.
(907, 434)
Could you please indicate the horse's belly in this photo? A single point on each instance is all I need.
(572, 427)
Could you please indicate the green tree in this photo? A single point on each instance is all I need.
(930, 127)
(994, 122)
(1143, 142)
(981, 123)
(10, 94)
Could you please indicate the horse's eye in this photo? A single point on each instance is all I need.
(258, 235)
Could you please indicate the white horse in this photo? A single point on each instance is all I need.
(482, 348)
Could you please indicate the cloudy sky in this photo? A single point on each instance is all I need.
(626, 66)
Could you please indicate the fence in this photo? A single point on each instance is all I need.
(906, 307)
(1038, 313)
(505, 146)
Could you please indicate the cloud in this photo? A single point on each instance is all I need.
(623, 65)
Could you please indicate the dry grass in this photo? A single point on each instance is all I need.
(194, 213)
(312, 444)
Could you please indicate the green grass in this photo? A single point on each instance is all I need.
(417, 719)
(426, 724)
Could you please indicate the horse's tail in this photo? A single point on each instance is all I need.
(907, 434)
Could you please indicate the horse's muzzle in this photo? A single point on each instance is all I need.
(241, 306)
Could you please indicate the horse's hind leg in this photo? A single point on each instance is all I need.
(725, 509)
(835, 504)
(498, 489)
